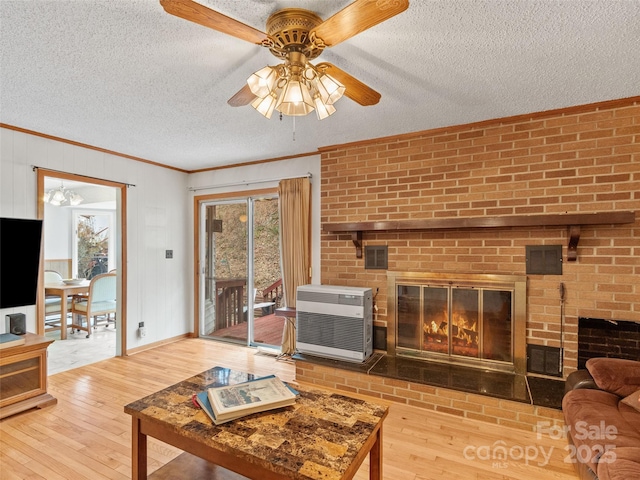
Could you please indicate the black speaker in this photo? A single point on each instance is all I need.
(17, 323)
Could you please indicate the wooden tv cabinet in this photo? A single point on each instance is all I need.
(23, 375)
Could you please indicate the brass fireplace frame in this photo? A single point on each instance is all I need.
(519, 326)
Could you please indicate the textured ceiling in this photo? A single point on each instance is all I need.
(124, 75)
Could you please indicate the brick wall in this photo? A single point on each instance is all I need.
(576, 160)
(599, 338)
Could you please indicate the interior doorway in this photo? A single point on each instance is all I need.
(83, 229)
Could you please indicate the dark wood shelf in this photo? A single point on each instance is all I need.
(572, 220)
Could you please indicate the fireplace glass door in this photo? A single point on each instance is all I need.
(455, 321)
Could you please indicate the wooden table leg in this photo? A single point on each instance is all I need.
(138, 451)
(375, 457)
(63, 317)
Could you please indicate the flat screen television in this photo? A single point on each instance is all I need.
(20, 243)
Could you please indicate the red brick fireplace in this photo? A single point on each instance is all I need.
(579, 160)
(474, 320)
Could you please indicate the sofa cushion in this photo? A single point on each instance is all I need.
(597, 422)
(633, 400)
(615, 375)
(631, 416)
(620, 464)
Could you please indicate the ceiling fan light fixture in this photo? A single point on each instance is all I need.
(295, 99)
(323, 110)
(297, 35)
(263, 81)
(266, 105)
(330, 89)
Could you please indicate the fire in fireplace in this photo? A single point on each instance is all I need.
(476, 320)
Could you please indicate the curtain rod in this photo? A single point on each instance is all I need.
(250, 182)
(35, 167)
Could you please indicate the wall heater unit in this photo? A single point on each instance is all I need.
(335, 322)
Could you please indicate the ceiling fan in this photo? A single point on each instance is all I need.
(296, 36)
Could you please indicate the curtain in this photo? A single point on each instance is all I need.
(295, 243)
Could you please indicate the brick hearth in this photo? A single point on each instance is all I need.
(524, 413)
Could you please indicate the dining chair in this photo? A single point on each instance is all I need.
(51, 276)
(52, 305)
(101, 301)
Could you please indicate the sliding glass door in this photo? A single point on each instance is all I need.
(240, 281)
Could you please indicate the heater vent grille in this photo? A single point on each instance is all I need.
(331, 331)
(544, 360)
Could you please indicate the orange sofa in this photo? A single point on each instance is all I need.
(602, 414)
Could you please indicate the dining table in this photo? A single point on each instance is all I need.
(64, 291)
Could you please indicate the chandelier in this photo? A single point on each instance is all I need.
(62, 196)
(294, 88)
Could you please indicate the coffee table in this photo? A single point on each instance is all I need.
(324, 435)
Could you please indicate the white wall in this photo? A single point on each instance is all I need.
(57, 244)
(159, 218)
(267, 175)
(158, 289)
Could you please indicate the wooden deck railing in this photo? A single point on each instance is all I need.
(230, 300)
(274, 293)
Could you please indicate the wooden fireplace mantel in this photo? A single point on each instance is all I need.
(572, 220)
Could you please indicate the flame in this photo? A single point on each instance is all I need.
(464, 330)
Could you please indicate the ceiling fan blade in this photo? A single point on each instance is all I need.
(355, 89)
(357, 17)
(243, 97)
(194, 12)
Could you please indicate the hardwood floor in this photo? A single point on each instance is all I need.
(87, 435)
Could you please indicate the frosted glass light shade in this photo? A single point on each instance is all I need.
(263, 81)
(295, 99)
(334, 89)
(266, 105)
(58, 197)
(323, 110)
(75, 199)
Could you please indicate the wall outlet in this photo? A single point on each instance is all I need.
(142, 332)
(168, 254)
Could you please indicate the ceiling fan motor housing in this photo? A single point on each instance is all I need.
(289, 30)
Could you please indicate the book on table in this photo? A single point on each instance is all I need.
(231, 402)
(11, 340)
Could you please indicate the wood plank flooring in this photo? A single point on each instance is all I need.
(87, 435)
(267, 329)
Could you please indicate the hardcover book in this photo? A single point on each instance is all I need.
(10, 340)
(230, 402)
